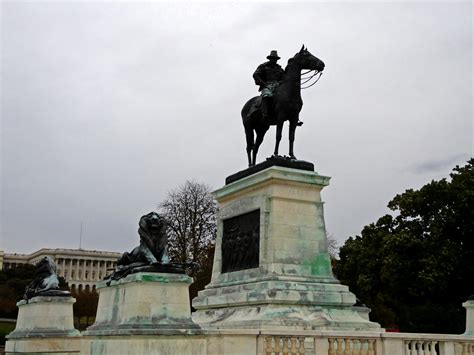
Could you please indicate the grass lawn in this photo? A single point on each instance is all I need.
(5, 328)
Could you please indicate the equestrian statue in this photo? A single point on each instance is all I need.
(280, 99)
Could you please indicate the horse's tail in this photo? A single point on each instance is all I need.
(249, 134)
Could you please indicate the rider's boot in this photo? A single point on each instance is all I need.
(266, 106)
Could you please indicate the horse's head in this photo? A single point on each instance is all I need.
(305, 60)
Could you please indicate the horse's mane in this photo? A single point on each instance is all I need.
(288, 64)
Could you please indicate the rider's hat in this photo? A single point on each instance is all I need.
(273, 54)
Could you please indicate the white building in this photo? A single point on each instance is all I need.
(80, 268)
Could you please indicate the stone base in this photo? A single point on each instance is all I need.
(274, 213)
(144, 344)
(39, 345)
(45, 324)
(45, 316)
(277, 304)
(144, 303)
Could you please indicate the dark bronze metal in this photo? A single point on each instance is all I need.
(285, 104)
(45, 282)
(152, 253)
(241, 242)
(285, 162)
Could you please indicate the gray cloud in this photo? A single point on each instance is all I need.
(107, 106)
(440, 165)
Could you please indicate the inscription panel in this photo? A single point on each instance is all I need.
(241, 242)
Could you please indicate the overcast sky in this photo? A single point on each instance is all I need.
(108, 106)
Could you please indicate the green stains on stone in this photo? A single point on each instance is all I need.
(320, 265)
(155, 278)
(161, 277)
(151, 277)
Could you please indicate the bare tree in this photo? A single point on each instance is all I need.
(191, 214)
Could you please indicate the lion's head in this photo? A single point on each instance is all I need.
(152, 224)
(46, 266)
(153, 233)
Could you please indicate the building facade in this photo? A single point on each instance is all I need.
(81, 269)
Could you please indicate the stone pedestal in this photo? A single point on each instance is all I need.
(45, 324)
(469, 305)
(144, 313)
(146, 303)
(271, 267)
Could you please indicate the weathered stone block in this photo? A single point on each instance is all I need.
(144, 303)
(44, 325)
(293, 285)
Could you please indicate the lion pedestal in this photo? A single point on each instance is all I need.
(153, 307)
(271, 267)
(45, 324)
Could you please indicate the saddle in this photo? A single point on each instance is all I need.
(255, 108)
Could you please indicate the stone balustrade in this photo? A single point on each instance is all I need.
(284, 344)
(360, 343)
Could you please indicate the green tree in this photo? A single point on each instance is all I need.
(414, 269)
(85, 307)
(13, 284)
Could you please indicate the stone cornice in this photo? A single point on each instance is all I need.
(63, 253)
(280, 175)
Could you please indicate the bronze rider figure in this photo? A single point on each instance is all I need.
(267, 77)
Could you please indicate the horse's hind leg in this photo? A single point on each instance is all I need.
(250, 145)
(279, 128)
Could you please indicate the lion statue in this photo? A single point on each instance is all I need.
(153, 246)
(152, 253)
(45, 278)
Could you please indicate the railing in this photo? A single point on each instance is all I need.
(351, 346)
(421, 347)
(358, 343)
(285, 345)
(464, 348)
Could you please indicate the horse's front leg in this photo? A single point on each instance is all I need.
(293, 125)
(250, 145)
(279, 128)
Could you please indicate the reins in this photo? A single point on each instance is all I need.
(304, 80)
(316, 72)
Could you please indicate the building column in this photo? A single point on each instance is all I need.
(93, 275)
(70, 269)
(77, 268)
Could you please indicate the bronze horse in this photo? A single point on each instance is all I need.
(287, 105)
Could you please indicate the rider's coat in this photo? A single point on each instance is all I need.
(267, 76)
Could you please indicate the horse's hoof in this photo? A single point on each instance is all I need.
(292, 157)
